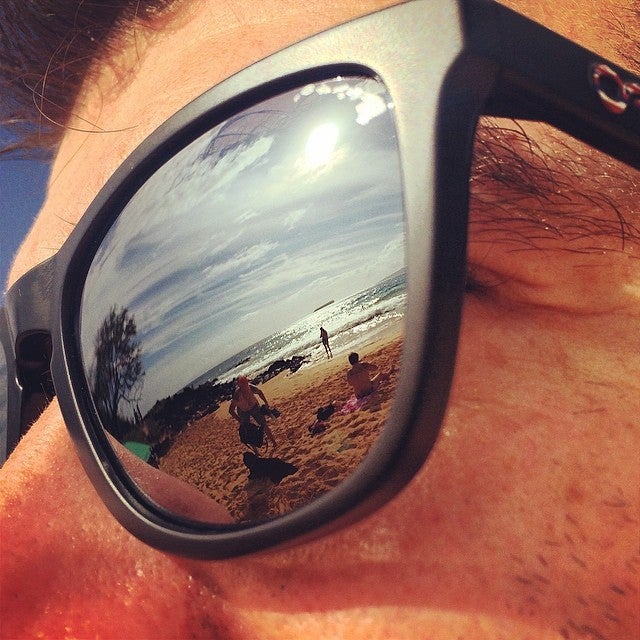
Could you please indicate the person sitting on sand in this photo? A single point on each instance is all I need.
(359, 376)
(245, 406)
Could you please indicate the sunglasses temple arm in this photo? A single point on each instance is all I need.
(543, 76)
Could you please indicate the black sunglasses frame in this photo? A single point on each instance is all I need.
(480, 59)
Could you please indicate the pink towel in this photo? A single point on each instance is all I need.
(353, 404)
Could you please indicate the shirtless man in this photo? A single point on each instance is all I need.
(244, 406)
(359, 376)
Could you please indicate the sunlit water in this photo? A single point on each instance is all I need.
(352, 322)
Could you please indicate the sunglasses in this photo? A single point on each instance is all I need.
(252, 330)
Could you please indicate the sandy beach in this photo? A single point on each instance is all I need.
(208, 453)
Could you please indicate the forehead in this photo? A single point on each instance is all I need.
(609, 27)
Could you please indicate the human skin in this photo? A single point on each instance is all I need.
(524, 523)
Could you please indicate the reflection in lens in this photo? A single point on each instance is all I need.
(242, 320)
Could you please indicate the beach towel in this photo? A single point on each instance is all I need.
(142, 450)
(353, 404)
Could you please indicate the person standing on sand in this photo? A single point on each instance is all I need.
(324, 336)
(245, 406)
(359, 376)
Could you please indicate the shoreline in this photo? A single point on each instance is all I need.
(286, 382)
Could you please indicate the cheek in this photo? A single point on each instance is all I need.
(44, 467)
(51, 520)
(544, 412)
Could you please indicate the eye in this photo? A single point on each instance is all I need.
(472, 285)
(481, 282)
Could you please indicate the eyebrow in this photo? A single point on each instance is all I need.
(552, 184)
(624, 25)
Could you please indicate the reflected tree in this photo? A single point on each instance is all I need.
(117, 375)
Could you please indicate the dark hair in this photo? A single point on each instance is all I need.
(353, 357)
(47, 49)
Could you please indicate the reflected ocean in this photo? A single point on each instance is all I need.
(350, 323)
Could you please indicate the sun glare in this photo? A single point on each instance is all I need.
(321, 144)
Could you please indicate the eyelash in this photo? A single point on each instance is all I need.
(473, 285)
(479, 285)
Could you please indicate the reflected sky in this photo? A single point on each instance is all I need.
(254, 225)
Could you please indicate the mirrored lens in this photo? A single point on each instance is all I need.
(241, 322)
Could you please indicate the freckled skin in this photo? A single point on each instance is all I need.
(522, 524)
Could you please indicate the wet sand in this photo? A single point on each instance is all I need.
(209, 455)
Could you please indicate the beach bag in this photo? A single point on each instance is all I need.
(273, 469)
(324, 413)
(251, 434)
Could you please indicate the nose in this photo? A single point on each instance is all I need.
(51, 522)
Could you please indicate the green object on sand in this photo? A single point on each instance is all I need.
(140, 449)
